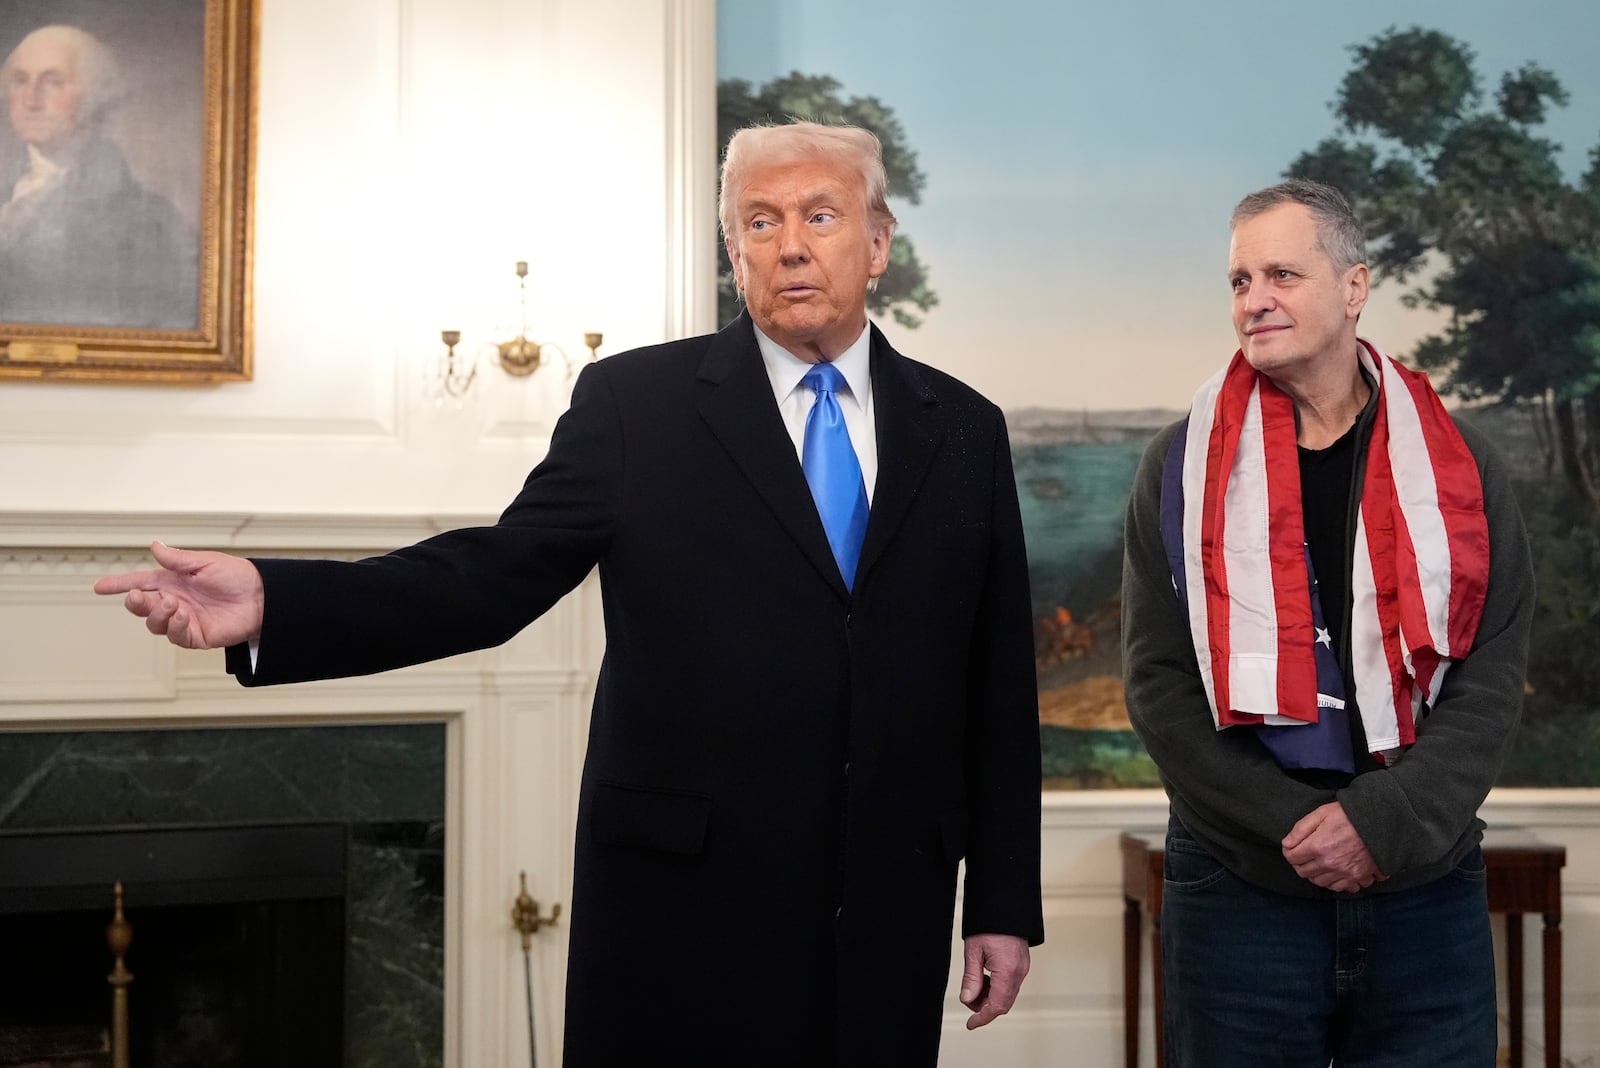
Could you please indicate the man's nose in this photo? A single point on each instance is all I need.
(1259, 299)
(29, 94)
(796, 248)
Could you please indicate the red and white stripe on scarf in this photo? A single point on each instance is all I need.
(1421, 554)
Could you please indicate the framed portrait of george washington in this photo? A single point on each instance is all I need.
(127, 159)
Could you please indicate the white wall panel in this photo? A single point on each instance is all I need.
(408, 153)
(60, 645)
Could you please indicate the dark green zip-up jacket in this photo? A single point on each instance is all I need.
(1417, 818)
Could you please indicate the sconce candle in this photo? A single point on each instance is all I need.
(456, 382)
(519, 357)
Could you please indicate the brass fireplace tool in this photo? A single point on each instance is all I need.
(119, 935)
(525, 917)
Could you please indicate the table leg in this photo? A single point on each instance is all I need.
(1156, 987)
(1514, 999)
(1132, 930)
(1552, 989)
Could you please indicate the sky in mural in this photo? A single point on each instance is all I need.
(1082, 160)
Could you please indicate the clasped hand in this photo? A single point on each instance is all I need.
(1324, 848)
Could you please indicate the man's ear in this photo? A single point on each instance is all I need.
(881, 239)
(1358, 284)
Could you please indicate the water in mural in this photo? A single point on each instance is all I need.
(1073, 473)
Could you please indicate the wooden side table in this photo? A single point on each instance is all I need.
(1524, 875)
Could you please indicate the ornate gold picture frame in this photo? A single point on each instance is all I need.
(127, 159)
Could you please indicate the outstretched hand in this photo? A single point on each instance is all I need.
(199, 600)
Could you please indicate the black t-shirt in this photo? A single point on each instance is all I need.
(1327, 501)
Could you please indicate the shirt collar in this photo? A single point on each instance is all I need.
(785, 369)
(42, 172)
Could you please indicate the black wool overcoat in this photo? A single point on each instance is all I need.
(782, 774)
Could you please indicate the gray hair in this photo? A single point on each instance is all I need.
(851, 147)
(1339, 232)
(98, 70)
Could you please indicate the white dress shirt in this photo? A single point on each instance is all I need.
(785, 371)
(42, 173)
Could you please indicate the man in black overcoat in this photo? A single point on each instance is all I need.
(793, 744)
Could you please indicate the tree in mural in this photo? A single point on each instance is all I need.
(1467, 205)
(903, 291)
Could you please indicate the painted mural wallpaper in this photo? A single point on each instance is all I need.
(1063, 180)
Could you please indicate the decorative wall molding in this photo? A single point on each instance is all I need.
(1505, 807)
(26, 537)
(692, 153)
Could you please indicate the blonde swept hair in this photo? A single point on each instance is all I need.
(756, 148)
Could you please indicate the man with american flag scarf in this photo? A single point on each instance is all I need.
(1327, 595)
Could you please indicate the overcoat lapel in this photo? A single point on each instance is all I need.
(907, 413)
(735, 399)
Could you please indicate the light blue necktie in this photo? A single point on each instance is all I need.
(833, 471)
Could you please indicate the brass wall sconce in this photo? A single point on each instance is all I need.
(519, 357)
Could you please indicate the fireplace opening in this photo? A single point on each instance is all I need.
(237, 952)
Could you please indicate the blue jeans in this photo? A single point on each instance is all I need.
(1258, 979)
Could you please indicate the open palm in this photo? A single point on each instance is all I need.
(199, 600)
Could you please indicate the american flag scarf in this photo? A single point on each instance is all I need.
(1235, 539)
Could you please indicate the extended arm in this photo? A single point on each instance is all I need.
(462, 590)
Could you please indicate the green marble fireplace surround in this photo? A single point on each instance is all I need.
(381, 788)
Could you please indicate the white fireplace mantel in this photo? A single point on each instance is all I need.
(225, 531)
(515, 721)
